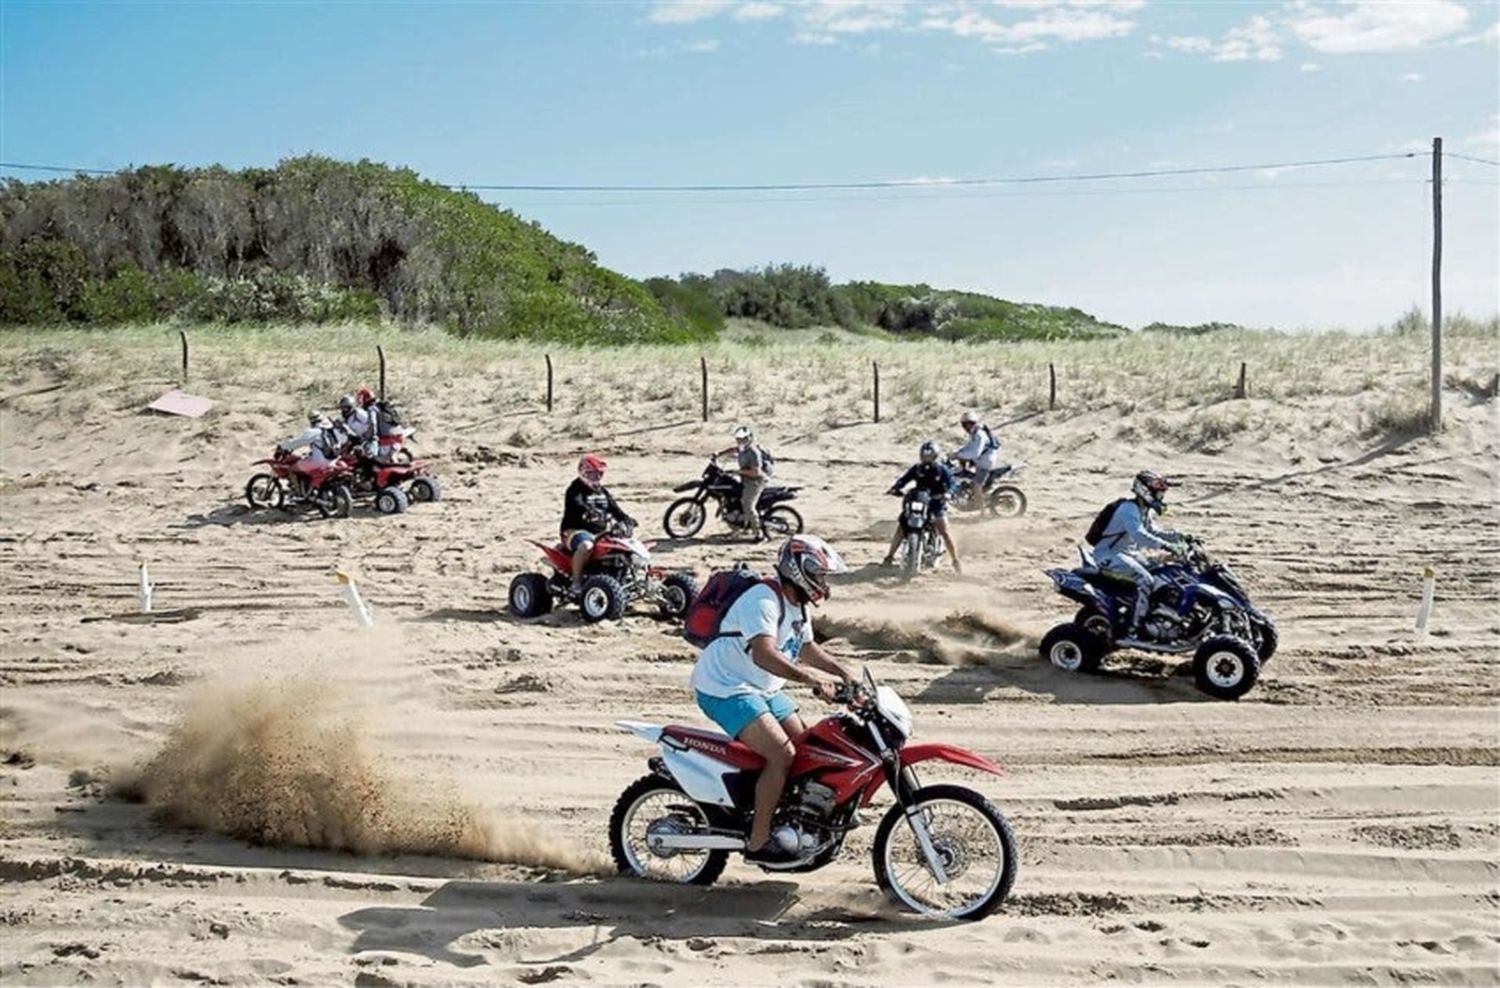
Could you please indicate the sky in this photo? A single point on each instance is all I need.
(929, 94)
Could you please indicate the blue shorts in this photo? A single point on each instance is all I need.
(734, 713)
(577, 539)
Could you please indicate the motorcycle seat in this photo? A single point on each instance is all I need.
(716, 745)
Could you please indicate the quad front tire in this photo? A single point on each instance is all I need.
(391, 501)
(1226, 667)
(424, 489)
(679, 590)
(602, 597)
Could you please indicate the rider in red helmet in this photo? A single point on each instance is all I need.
(588, 508)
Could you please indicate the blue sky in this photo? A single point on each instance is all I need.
(763, 92)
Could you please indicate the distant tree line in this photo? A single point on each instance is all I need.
(312, 239)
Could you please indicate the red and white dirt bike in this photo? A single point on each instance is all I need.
(942, 850)
(619, 572)
(330, 489)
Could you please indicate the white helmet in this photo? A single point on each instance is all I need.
(805, 561)
(968, 420)
(1151, 488)
(744, 435)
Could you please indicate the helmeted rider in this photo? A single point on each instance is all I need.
(360, 425)
(588, 509)
(751, 459)
(324, 441)
(1130, 534)
(384, 438)
(767, 639)
(981, 447)
(930, 474)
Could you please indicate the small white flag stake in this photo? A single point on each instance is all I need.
(1429, 586)
(147, 589)
(350, 592)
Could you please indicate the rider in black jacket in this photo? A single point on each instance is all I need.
(933, 476)
(588, 508)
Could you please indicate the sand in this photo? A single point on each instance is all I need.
(247, 789)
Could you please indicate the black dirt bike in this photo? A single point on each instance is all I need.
(686, 515)
(1000, 497)
(921, 545)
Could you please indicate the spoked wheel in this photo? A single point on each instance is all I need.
(970, 839)
(335, 501)
(781, 522)
(265, 491)
(1008, 501)
(650, 806)
(684, 518)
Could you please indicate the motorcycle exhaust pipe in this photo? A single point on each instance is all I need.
(694, 842)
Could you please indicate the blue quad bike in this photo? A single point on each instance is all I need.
(1198, 606)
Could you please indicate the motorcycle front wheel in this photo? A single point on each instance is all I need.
(265, 491)
(911, 558)
(684, 518)
(652, 805)
(970, 838)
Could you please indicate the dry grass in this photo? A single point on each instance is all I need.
(1168, 385)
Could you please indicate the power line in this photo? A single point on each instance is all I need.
(1470, 157)
(905, 183)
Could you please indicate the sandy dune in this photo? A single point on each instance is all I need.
(1338, 826)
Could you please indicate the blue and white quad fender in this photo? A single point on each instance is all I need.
(1224, 601)
(1070, 584)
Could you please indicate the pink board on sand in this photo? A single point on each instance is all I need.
(175, 402)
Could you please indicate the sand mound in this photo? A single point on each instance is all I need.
(280, 764)
(958, 638)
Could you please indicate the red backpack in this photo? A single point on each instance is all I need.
(705, 615)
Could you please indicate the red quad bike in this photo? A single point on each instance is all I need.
(941, 850)
(386, 481)
(329, 489)
(618, 573)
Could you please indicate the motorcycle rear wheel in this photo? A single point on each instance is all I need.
(1007, 501)
(684, 518)
(652, 794)
(781, 522)
(965, 829)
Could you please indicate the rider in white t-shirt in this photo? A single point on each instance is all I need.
(764, 642)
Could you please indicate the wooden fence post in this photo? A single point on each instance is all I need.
(1052, 390)
(703, 365)
(549, 382)
(1239, 389)
(183, 334)
(381, 351)
(876, 366)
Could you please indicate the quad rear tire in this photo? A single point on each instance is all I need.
(530, 595)
(602, 597)
(1095, 624)
(1072, 648)
(1226, 667)
(424, 490)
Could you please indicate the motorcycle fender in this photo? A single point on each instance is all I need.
(641, 729)
(689, 486)
(700, 776)
(914, 753)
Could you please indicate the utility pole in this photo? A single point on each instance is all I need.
(1435, 416)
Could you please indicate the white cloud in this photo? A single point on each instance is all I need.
(1311, 67)
(1487, 139)
(1412, 77)
(1368, 26)
(685, 11)
(813, 38)
(852, 16)
(1054, 22)
(1489, 36)
(757, 11)
(1255, 40)
(702, 47)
